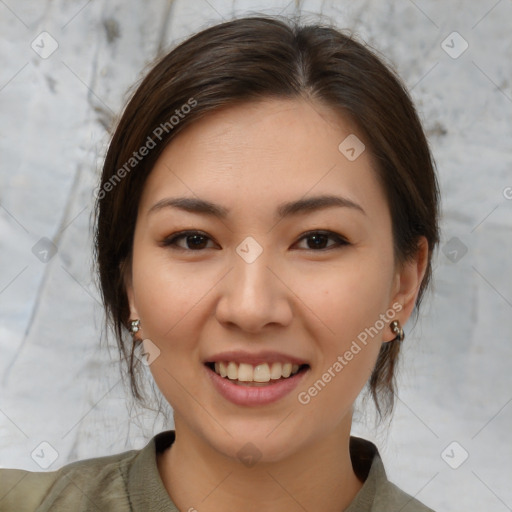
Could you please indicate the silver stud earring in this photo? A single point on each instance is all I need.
(397, 329)
(134, 326)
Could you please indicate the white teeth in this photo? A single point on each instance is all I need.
(260, 373)
(275, 371)
(245, 372)
(232, 371)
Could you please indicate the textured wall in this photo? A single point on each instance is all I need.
(59, 385)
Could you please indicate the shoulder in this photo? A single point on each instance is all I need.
(378, 494)
(91, 484)
(390, 498)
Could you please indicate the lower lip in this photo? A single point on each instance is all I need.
(254, 395)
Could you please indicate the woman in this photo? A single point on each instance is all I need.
(266, 220)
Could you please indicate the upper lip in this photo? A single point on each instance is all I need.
(266, 356)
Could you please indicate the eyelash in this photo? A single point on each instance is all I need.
(170, 241)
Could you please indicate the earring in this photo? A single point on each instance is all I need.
(397, 329)
(134, 326)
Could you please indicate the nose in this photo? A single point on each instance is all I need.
(254, 295)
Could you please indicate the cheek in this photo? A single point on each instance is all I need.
(349, 297)
(349, 301)
(164, 293)
(347, 352)
(168, 300)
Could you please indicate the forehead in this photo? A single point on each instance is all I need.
(262, 153)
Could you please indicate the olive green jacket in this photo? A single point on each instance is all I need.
(130, 481)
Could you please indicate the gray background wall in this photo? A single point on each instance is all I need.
(58, 385)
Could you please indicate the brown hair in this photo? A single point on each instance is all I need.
(256, 58)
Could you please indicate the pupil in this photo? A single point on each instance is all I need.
(197, 240)
(316, 237)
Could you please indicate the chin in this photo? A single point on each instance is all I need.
(251, 442)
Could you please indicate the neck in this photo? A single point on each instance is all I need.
(318, 477)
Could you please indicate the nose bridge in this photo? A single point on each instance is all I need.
(252, 295)
(251, 277)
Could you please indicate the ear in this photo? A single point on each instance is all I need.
(125, 268)
(408, 279)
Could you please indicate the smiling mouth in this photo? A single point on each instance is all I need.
(256, 375)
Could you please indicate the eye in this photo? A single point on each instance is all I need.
(319, 239)
(197, 240)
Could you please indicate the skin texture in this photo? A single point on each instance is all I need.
(294, 298)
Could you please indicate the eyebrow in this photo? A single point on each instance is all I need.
(301, 206)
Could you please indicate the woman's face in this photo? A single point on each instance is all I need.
(255, 293)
